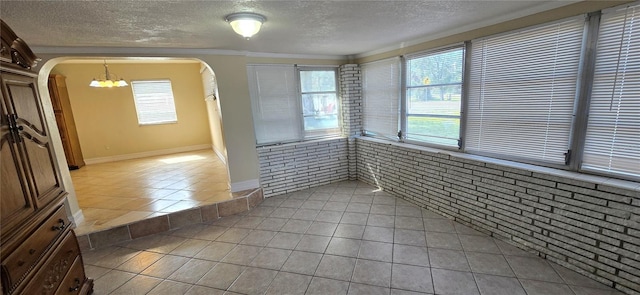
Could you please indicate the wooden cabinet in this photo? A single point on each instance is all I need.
(64, 119)
(37, 244)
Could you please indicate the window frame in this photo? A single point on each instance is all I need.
(576, 99)
(591, 73)
(137, 103)
(257, 102)
(390, 68)
(293, 102)
(325, 132)
(404, 99)
(582, 101)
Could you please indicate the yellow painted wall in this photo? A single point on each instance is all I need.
(235, 103)
(106, 118)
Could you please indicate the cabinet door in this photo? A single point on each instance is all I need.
(58, 93)
(15, 196)
(33, 140)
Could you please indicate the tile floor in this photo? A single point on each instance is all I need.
(118, 193)
(342, 238)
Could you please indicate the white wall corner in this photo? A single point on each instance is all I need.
(78, 217)
(220, 155)
(245, 185)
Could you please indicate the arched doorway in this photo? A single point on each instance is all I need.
(110, 135)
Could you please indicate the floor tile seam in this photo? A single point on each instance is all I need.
(248, 263)
(503, 256)
(471, 271)
(133, 271)
(194, 286)
(556, 283)
(555, 270)
(115, 267)
(484, 252)
(599, 286)
(315, 274)
(159, 277)
(243, 271)
(186, 283)
(544, 260)
(134, 275)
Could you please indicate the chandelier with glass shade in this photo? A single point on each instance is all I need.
(106, 81)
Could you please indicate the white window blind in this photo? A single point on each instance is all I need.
(612, 142)
(381, 97)
(154, 102)
(522, 91)
(274, 101)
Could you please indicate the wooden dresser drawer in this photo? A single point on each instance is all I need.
(23, 259)
(74, 282)
(53, 272)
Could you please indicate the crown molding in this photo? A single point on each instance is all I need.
(507, 17)
(160, 51)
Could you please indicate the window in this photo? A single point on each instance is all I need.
(292, 104)
(433, 96)
(274, 103)
(319, 96)
(522, 89)
(612, 142)
(381, 97)
(154, 102)
(536, 95)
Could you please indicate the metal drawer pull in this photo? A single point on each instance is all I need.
(76, 288)
(61, 227)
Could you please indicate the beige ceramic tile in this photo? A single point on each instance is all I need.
(118, 193)
(126, 218)
(179, 206)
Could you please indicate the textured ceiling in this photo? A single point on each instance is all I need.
(292, 27)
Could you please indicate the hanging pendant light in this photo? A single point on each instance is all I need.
(106, 82)
(246, 24)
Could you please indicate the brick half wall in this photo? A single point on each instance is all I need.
(587, 226)
(296, 166)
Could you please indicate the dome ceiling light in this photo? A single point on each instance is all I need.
(245, 24)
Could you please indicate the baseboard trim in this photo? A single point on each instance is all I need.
(146, 154)
(78, 217)
(220, 155)
(245, 185)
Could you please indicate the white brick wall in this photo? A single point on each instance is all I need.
(588, 227)
(297, 166)
(351, 95)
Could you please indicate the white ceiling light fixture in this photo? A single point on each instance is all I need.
(245, 24)
(106, 82)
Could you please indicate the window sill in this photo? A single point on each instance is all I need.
(614, 182)
(301, 142)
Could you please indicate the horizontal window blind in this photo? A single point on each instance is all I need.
(522, 90)
(381, 97)
(274, 102)
(612, 143)
(154, 102)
